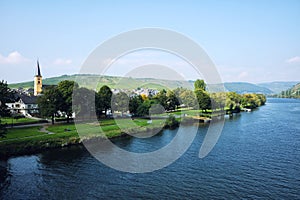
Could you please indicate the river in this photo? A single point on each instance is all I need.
(257, 156)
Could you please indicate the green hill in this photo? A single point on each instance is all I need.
(293, 92)
(243, 87)
(278, 86)
(90, 81)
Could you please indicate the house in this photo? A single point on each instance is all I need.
(23, 104)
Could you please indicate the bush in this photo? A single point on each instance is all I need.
(171, 122)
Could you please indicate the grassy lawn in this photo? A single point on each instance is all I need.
(30, 139)
(22, 132)
(110, 127)
(10, 120)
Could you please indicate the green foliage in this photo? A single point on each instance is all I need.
(66, 89)
(5, 97)
(103, 100)
(188, 98)
(143, 109)
(172, 101)
(120, 102)
(161, 98)
(84, 103)
(171, 122)
(253, 100)
(233, 102)
(134, 103)
(203, 99)
(50, 102)
(218, 100)
(200, 85)
(293, 92)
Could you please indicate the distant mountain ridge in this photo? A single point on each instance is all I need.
(89, 81)
(278, 86)
(293, 92)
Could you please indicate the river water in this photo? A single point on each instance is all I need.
(257, 156)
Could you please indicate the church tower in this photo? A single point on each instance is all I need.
(38, 81)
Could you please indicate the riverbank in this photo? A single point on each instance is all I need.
(30, 140)
(42, 137)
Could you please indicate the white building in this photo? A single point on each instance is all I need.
(26, 105)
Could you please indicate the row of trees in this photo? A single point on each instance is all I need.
(58, 99)
(163, 101)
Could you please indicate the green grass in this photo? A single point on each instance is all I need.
(109, 127)
(10, 120)
(19, 133)
(28, 140)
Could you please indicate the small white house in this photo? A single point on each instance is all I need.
(26, 105)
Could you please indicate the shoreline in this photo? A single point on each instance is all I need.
(23, 148)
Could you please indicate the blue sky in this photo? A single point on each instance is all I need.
(253, 41)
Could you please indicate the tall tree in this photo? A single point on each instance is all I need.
(161, 98)
(120, 102)
(188, 98)
(50, 102)
(103, 100)
(66, 89)
(203, 99)
(143, 109)
(233, 102)
(5, 96)
(84, 103)
(172, 101)
(134, 103)
(200, 84)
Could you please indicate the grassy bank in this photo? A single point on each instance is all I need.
(33, 139)
(10, 120)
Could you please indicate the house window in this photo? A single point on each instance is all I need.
(39, 82)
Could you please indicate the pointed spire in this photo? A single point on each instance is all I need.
(38, 68)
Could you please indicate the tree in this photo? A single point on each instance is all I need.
(120, 102)
(161, 98)
(200, 84)
(143, 109)
(233, 102)
(50, 102)
(218, 100)
(66, 89)
(5, 96)
(172, 101)
(103, 100)
(84, 103)
(252, 100)
(134, 103)
(203, 99)
(188, 98)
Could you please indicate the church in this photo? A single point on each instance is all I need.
(38, 82)
(26, 104)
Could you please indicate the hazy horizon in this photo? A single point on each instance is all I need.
(275, 81)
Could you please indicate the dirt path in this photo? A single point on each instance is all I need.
(44, 130)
